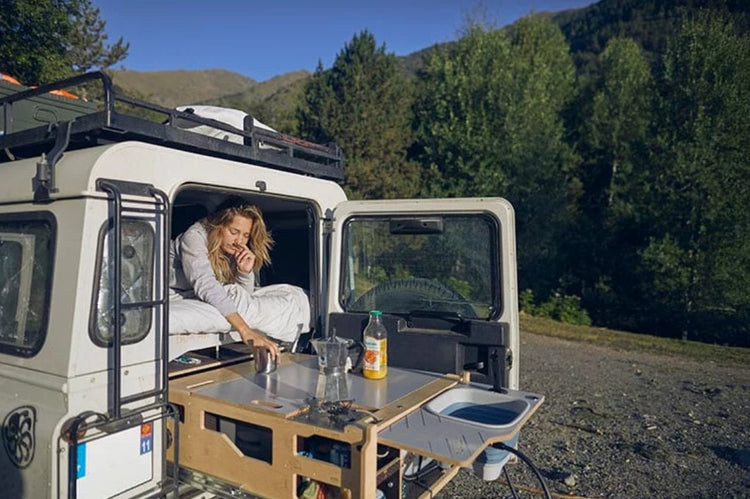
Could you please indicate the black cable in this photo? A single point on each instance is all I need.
(526, 460)
(421, 472)
(510, 484)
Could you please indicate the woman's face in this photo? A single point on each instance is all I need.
(235, 233)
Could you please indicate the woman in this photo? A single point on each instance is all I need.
(221, 249)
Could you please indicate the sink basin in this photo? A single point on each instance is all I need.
(480, 407)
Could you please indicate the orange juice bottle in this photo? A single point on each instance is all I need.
(375, 365)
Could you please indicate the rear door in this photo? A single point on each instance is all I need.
(442, 271)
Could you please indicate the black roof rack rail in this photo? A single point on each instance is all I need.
(95, 124)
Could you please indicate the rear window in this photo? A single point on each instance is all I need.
(136, 288)
(26, 258)
(442, 264)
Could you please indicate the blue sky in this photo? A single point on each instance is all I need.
(263, 39)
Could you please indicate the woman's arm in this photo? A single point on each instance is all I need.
(251, 337)
(193, 252)
(192, 249)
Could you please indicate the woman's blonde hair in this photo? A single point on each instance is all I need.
(259, 243)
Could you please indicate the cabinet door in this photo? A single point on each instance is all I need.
(442, 271)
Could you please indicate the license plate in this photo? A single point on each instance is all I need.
(112, 464)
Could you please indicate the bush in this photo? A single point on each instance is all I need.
(564, 308)
(526, 301)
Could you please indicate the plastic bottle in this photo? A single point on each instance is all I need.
(375, 365)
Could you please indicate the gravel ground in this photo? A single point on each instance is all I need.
(624, 424)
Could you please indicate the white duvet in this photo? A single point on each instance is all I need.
(281, 311)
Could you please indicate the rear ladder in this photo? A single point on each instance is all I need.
(118, 418)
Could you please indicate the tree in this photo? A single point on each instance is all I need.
(363, 104)
(696, 265)
(488, 120)
(614, 111)
(87, 42)
(542, 166)
(45, 40)
(463, 95)
(621, 115)
(33, 32)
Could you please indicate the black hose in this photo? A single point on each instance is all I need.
(421, 472)
(526, 460)
(510, 484)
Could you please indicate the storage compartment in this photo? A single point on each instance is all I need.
(326, 449)
(42, 109)
(252, 440)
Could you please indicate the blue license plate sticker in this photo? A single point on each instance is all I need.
(147, 438)
(81, 461)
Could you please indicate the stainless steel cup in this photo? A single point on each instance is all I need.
(264, 363)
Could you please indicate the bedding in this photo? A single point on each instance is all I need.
(281, 311)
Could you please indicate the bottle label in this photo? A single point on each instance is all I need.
(375, 354)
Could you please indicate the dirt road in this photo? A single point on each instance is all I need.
(627, 425)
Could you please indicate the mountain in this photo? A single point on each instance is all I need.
(272, 101)
(174, 88)
(650, 22)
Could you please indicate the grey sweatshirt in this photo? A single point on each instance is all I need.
(191, 275)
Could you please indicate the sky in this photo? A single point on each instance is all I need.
(263, 39)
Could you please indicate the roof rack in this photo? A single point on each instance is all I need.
(68, 124)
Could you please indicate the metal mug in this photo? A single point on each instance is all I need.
(264, 363)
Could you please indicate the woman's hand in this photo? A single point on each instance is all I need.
(260, 341)
(250, 337)
(244, 258)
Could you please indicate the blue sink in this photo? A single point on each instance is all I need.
(480, 407)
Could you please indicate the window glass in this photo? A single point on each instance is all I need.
(431, 263)
(26, 257)
(137, 257)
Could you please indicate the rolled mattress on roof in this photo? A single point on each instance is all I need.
(232, 117)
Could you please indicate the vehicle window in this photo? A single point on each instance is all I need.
(430, 263)
(26, 258)
(137, 257)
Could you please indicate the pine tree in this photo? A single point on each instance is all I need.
(87, 43)
(363, 104)
(489, 123)
(615, 114)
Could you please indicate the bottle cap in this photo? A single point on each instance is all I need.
(376, 312)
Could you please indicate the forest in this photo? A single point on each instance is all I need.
(620, 134)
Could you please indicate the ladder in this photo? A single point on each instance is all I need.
(156, 405)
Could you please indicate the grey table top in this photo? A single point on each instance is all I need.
(449, 440)
(292, 385)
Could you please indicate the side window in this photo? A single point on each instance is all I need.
(137, 257)
(26, 259)
(441, 264)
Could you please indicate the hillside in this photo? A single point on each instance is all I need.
(272, 101)
(650, 22)
(173, 88)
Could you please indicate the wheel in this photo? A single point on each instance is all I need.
(413, 293)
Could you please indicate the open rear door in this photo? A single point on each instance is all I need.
(442, 271)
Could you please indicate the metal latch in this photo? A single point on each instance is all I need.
(44, 182)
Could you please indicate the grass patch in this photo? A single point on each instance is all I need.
(634, 341)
